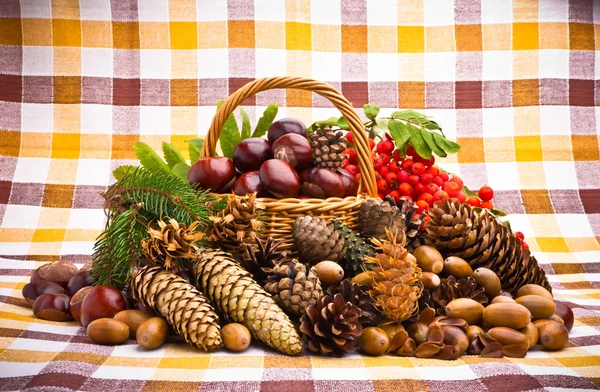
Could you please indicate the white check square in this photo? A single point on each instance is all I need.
(498, 122)
(440, 67)
(97, 62)
(502, 176)
(555, 120)
(554, 64)
(560, 175)
(32, 170)
(211, 11)
(270, 10)
(154, 63)
(496, 11)
(96, 9)
(155, 120)
(382, 13)
(96, 118)
(438, 13)
(36, 117)
(37, 61)
(497, 65)
(36, 9)
(553, 11)
(326, 12)
(84, 218)
(153, 11)
(21, 217)
(213, 63)
(383, 67)
(269, 62)
(574, 225)
(93, 172)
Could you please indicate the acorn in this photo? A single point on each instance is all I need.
(557, 318)
(532, 334)
(374, 341)
(473, 331)
(236, 337)
(465, 308)
(518, 350)
(553, 336)
(506, 315)
(486, 278)
(427, 350)
(458, 267)
(429, 259)
(152, 333)
(534, 289)
(540, 323)
(417, 332)
(508, 336)
(329, 272)
(430, 281)
(392, 328)
(456, 337)
(539, 307)
(427, 315)
(448, 352)
(363, 279)
(133, 318)
(502, 298)
(108, 331)
(435, 334)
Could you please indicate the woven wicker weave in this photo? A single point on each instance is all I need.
(280, 213)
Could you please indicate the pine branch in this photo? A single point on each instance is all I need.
(159, 196)
(118, 248)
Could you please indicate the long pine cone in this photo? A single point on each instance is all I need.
(237, 296)
(186, 309)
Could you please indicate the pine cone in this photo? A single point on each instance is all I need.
(262, 255)
(449, 289)
(459, 230)
(331, 326)
(396, 283)
(357, 295)
(293, 287)
(355, 251)
(327, 148)
(172, 242)
(316, 241)
(414, 228)
(240, 299)
(238, 224)
(186, 309)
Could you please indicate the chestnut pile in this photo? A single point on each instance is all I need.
(58, 291)
(279, 167)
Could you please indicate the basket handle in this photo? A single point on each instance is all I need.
(361, 143)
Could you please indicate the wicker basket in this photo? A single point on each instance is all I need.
(280, 214)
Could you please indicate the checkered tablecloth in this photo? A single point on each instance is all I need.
(516, 83)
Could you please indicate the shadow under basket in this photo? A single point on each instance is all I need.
(280, 214)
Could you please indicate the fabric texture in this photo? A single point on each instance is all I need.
(516, 83)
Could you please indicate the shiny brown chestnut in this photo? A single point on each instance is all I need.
(76, 301)
(301, 150)
(101, 302)
(33, 290)
(52, 307)
(250, 153)
(330, 183)
(349, 181)
(59, 272)
(249, 182)
(284, 127)
(566, 313)
(79, 281)
(279, 178)
(212, 174)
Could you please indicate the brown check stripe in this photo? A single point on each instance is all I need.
(515, 83)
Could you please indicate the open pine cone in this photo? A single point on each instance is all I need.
(316, 241)
(171, 241)
(257, 258)
(237, 225)
(449, 289)
(331, 326)
(357, 295)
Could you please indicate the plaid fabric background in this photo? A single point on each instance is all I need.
(516, 83)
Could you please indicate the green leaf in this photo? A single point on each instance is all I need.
(399, 132)
(381, 126)
(418, 143)
(246, 127)
(122, 171)
(432, 125)
(181, 170)
(343, 124)
(371, 111)
(172, 154)
(449, 146)
(428, 137)
(195, 147)
(407, 115)
(149, 158)
(230, 136)
(498, 212)
(265, 121)
(468, 192)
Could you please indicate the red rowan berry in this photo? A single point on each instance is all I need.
(397, 154)
(444, 176)
(437, 180)
(405, 189)
(395, 194)
(440, 195)
(433, 170)
(432, 188)
(458, 181)
(451, 187)
(352, 169)
(423, 205)
(351, 155)
(474, 201)
(461, 197)
(371, 144)
(486, 193)
(382, 185)
(418, 168)
(487, 205)
(350, 137)
(402, 175)
(410, 151)
(393, 167)
(413, 180)
(519, 235)
(426, 197)
(524, 245)
(385, 158)
(377, 163)
(426, 178)
(385, 147)
(420, 187)
(407, 164)
(384, 170)
(390, 178)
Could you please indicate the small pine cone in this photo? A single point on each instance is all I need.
(331, 326)
(240, 299)
(171, 242)
(358, 296)
(186, 309)
(328, 146)
(316, 241)
(293, 287)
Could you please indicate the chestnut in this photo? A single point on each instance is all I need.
(249, 182)
(279, 178)
(284, 127)
(306, 174)
(52, 307)
(33, 290)
(350, 182)
(59, 272)
(323, 183)
(101, 302)
(79, 281)
(566, 313)
(212, 174)
(250, 153)
(76, 301)
(300, 146)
